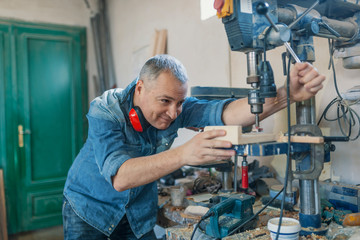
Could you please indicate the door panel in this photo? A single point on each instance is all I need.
(50, 94)
(48, 86)
(46, 103)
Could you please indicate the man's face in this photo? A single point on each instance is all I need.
(160, 100)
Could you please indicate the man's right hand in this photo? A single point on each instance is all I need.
(201, 149)
(204, 148)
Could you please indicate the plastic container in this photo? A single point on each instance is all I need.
(177, 194)
(289, 230)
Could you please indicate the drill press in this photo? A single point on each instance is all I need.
(254, 27)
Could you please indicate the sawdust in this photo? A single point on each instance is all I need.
(313, 237)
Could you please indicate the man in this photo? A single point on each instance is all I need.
(111, 190)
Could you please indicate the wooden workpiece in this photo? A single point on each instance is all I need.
(236, 137)
(301, 139)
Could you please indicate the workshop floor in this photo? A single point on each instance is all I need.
(53, 233)
(56, 233)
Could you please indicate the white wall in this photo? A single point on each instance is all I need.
(203, 48)
(64, 12)
(201, 45)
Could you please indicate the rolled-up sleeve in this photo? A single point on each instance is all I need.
(201, 113)
(110, 147)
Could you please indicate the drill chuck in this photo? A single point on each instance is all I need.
(255, 101)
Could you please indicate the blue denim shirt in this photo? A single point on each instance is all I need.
(111, 141)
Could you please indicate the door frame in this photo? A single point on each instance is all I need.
(10, 118)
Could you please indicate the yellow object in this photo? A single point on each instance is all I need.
(352, 219)
(227, 9)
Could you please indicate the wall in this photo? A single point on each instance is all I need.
(65, 12)
(202, 47)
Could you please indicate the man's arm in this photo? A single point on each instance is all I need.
(199, 150)
(305, 82)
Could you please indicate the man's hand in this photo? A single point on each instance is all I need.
(203, 148)
(305, 82)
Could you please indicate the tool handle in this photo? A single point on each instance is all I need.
(244, 177)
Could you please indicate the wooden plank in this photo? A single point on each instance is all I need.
(159, 43)
(256, 137)
(3, 225)
(236, 137)
(301, 139)
(162, 41)
(154, 43)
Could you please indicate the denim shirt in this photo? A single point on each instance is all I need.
(112, 141)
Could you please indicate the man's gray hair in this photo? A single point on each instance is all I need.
(163, 63)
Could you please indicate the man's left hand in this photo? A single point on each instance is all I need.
(305, 82)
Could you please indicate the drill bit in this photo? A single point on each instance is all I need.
(257, 124)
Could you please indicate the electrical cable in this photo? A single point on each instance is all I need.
(287, 162)
(288, 148)
(345, 115)
(207, 215)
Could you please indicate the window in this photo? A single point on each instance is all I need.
(207, 9)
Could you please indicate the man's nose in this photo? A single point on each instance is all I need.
(172, 112)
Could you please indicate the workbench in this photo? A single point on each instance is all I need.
(179, 226)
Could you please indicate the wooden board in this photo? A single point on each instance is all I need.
(236, 137)
(301, 139)
(159, 42)
(3, 226)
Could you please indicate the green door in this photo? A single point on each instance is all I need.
(49, 88)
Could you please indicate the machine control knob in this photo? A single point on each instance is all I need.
(332, 147)
(262, 8)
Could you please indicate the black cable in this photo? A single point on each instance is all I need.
(345, 115)
(207, 215)
(288, 149)
(287, 162)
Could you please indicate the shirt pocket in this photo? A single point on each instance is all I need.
(165, 142)
(134, 149)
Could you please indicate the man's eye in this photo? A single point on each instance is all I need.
(165, 101)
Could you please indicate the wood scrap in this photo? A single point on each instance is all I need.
(196, 210)
(3, 225)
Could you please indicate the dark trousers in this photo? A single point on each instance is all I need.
(77, 229)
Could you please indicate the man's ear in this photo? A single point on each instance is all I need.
(139, 86)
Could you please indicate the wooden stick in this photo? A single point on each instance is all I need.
(3, 226)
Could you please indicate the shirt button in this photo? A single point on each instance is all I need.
(112, 225)
(110, 229)
(166, 144)
(108, 239)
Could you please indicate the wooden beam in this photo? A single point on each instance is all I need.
(3, 225)
(159, 43)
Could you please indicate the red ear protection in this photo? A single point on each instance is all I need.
(137, 119)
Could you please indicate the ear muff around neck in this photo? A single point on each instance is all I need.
(137, 119)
